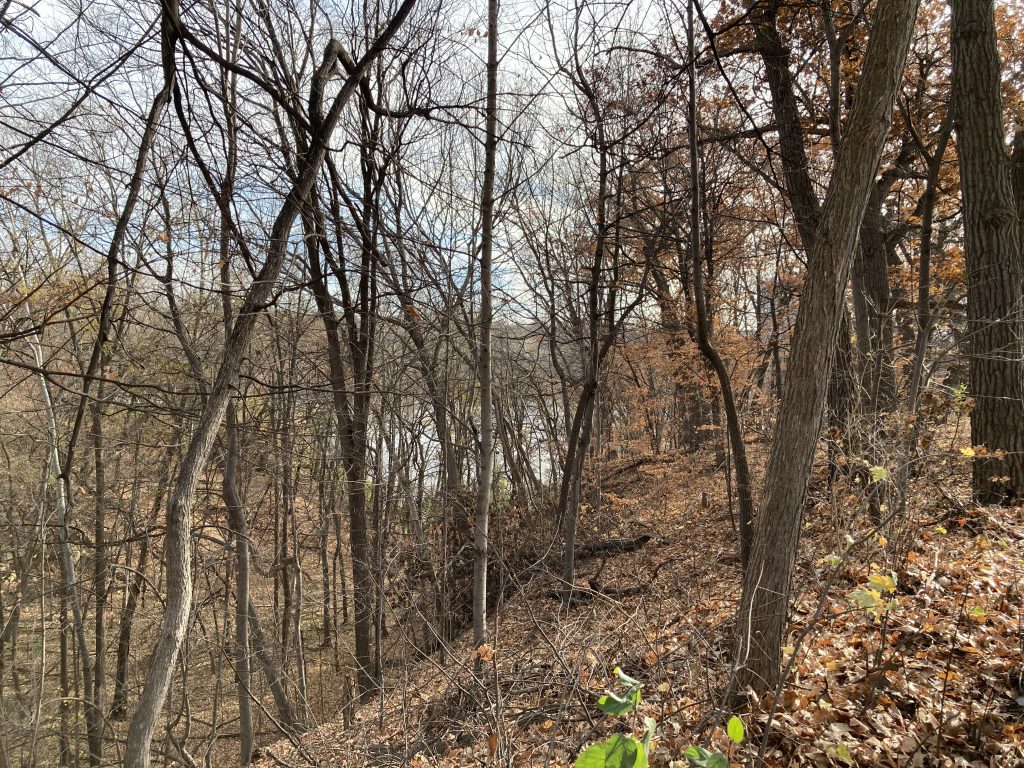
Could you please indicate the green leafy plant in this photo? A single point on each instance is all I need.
(877, 596)
(620, 750)
(702, 758)
(878, 474)
(625, 751)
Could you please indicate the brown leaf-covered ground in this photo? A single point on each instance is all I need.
(933, 680)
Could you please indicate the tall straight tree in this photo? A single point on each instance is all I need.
(995, 278)
(483, 496)
(762, 616)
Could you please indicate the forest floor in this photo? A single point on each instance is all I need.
(927, 674)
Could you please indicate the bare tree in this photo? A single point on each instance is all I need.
(486, 459)
(179, 510)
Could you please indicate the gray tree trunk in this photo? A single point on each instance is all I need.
(178, 539)
(486, 463)
(761, 621)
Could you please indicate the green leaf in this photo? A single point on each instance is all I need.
(735, 730)
(649, 733)
(634, 696)
(698, 756)
(878, 474)
(617, 751)
(701, 758)
(626, 679)
(591, 757)
(840, 752)
(866, 598)
(613, 704)
(882, 583)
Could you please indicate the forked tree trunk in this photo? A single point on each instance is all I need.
(995, 278)
(762, 616)
(796, 173)
(178, 540)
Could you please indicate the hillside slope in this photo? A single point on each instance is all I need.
(927, 675)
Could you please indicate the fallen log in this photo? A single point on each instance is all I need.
(615, 546)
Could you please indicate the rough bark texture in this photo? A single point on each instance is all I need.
(762, 616)
(874, 327)
(995, 279)
(795, 166)
(1017, 166)
(797, 179)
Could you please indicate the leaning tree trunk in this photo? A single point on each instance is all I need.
(178, 540)
(799, 185)
(992, 251)
(762, 617)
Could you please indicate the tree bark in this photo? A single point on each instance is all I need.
(762, 616)
(99, 667)
(137, 586)
(1017, 166)
(797, 180)
(874, 329)
(486, 462)
(995, 279)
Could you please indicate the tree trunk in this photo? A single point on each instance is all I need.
(761, 621)
(136, 587)
(71, 593)
(874, 328)
(924, 313)
(178, 540)
(99, 669)
(486, 462)
(744, 483)
(1017, 169)
(240, 533)
(797, 180)
(352, 424)
(995, 279)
